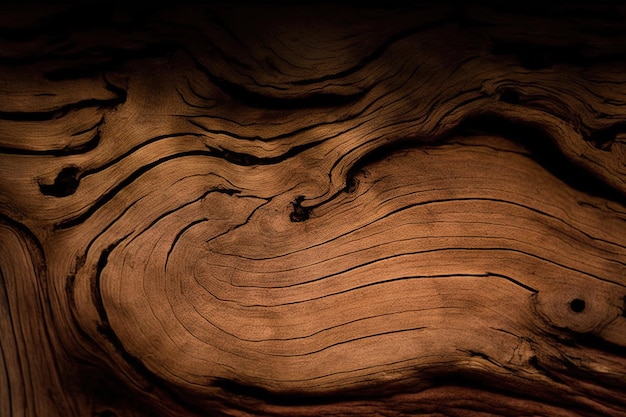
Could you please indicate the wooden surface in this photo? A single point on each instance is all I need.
(313, 210)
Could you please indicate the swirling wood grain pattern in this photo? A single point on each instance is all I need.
(309, 211)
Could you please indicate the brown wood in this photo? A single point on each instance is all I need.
(313, 210)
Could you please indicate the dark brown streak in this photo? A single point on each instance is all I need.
(63, 110)
(235, 391)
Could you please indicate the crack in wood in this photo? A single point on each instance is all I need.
(302, 212)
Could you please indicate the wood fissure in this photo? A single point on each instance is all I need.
(298, 210)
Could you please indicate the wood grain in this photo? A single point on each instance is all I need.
(303, 211)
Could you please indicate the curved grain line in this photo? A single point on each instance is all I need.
(424, 203)
(109, 195)
(372, 284)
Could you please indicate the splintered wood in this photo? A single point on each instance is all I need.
(218, 211)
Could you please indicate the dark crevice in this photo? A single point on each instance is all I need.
(257, 100)
(299, 213)
(42, 116)
(95, 285)
(180, 234)
(534, 362)
(481, 355)
(262, 101)
(552, 396)
(604, 138)
(64, 184)
(589, 342)
(244, 159)
(237, 390)
(504, 386)
(501, 385)
(544, 151)
(484, 276)
(70, 283)
(285, 135)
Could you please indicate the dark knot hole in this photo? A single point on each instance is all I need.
(65, 183)
(577, 305)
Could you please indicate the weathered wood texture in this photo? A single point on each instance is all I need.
(313, 210)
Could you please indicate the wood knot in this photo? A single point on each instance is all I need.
(581, 309)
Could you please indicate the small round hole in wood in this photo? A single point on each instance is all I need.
(577, 305)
